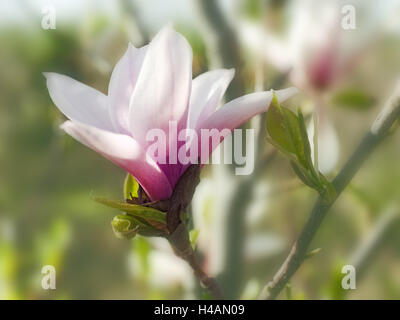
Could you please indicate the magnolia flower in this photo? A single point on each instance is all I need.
(150, 87)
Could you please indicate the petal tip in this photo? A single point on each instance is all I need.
(66, 125)
(231, 72)
(169, 26)
(50, 75)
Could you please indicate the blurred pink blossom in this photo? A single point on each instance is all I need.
(316, 48)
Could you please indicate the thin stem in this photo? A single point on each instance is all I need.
(207, 282)
(298, 252)
(180, 243)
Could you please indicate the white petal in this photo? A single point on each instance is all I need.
(261, 41)
(163, 88)
(328, 144)
(78, 101)
(235, 113)
(125, 152)
(122, 82)
(207, 91)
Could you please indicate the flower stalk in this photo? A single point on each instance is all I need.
(180, 243)
(179, 235)
(166, 218)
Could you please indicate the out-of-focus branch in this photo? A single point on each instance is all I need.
(371, 245)
(369, 248)
(379, 130)
(131, 9)
(222, 44)
(223, 52)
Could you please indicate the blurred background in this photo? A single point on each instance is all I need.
(244, 226)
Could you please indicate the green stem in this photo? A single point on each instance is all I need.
(298, 252)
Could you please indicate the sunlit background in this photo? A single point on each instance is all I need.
(244, 225)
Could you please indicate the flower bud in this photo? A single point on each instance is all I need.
(123, 227)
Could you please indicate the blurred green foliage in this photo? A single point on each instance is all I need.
(353, 98)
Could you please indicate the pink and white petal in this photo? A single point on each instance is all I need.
(285, 94)
(121, 86)
(163, 88)
(207, 92)
(78, 101)
(125, 152)
(238, 111)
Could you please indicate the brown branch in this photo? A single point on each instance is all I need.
(179, 241)
(178, 235)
